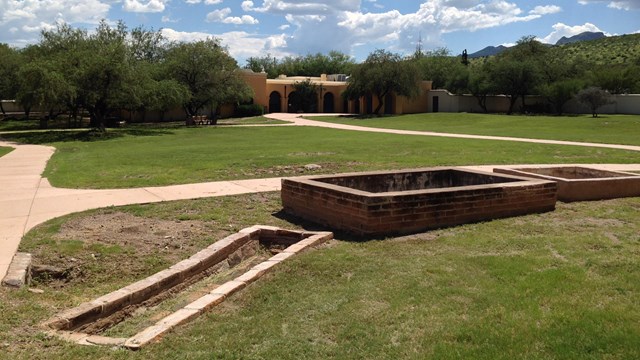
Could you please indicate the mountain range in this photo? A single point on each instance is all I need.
(495, 50)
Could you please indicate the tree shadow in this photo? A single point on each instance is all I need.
(48, 137)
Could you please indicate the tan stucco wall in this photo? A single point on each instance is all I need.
(284, 86)
(420, 104)
(258, 82)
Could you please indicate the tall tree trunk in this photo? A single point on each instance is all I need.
(512, 103)
(27, 111)
(380, 103)
(482, 102)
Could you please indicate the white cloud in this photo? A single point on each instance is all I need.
(298, 7)
(433, 18)
(222, 15)
(545, 10)
(241, 45)
(168, 19)
(182, 36)
(620, 5)
(150, 6)
(206, 2)
(560, 30)
(22, 20)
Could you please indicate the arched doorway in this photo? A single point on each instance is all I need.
(328, 105)
(301, 102)
(275, 102)
(294, 103)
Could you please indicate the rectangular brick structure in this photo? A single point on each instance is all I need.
(576, 183)
(374, 204)
(71, 324)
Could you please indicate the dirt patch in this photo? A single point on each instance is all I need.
(122, 244)
(146, 235)
(297, 170)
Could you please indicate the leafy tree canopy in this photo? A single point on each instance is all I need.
(383, 73)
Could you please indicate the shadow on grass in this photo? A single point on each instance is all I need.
(47, 137)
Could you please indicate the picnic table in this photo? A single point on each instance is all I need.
(199, 120)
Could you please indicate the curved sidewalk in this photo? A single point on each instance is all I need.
(298, 119)
(27, 199)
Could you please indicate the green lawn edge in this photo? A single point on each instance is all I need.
(608, 129)
(5, 150)
(157, 157)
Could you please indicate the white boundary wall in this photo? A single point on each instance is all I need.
(448, 102)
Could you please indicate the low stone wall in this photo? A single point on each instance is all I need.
(370, 214)
(72, 325)
(584, 184)
(448, 102)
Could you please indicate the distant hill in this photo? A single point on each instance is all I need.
(611, 50)
(585, 36)
(488, 51)
(589, 48)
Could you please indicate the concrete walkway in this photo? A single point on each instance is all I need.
(299, 120)
(27, 199)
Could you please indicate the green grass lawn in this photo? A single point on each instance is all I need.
(257, 120)
(612, 129)
(559, 285)
(148, 157)
(5, 150)
(63, 122)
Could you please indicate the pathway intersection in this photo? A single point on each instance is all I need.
(27, 199)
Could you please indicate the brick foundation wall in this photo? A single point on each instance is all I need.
(397, 213)
(584, 184)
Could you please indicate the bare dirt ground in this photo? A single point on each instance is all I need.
(90, 244)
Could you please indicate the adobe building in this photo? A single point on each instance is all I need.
(275, 95)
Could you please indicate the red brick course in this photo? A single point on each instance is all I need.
(402, 212)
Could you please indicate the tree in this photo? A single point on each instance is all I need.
(561, 79)
(305, 96)
(594, 98)
(616, 79)
(557, 93)
(516, 71)
(65, 47)
(164, 95)
(146, 45)
(480, 84)
(105, 72)
(9, 64)
(42, 85)
(208, 72)
(309, 65)
(266, 63)
(383, 73)
(436, 66)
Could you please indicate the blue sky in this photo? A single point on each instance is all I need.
(356, 27)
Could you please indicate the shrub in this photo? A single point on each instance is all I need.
(249, 110)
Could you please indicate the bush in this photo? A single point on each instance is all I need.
(249, 110)
(594, 97)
